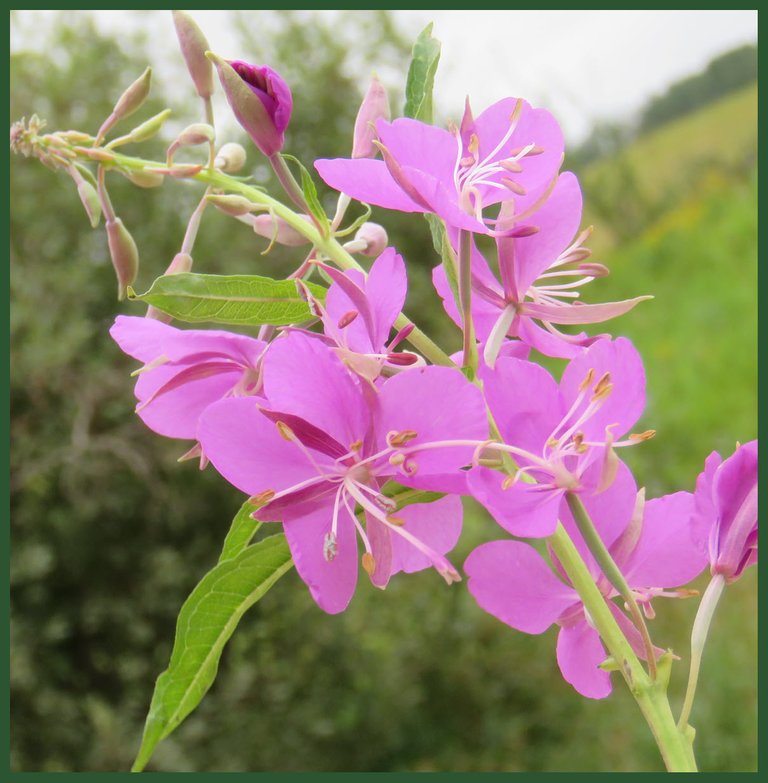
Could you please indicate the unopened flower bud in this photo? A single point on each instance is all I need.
(149, 128)
(260, 99)
(375, 106)
(192, 135)
(277, 229)
(144, 179)
(128, 103)
(193, 48)
(237, 206)
(182, 262)
(375, 237)
(230, 158)
(90, 200)
(125, 255)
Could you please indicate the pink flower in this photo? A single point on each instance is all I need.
(539, 268)
(562, 435)
(359, 313)
(510, 149)
(185, 371)
(651, 542)
(323, 443)
(726, 510)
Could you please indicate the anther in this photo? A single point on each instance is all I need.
(286, 433)
(400, 438)
(510, 184)
(356, 445)
(397, 521)
(587, 382)
(403, 359)
(524, 231)
(600, 387)
(474, 144)
(397, 459)
(262, 498)
(347, 319)
(369, 564)
(511, 165)
(508, 481)
(640, 436)
(330, 548)
(385, 503)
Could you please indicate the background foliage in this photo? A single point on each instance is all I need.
(109, 534)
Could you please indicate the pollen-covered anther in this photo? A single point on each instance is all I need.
(261, 498)
(286, 433)
(396, 439)
(587, 382)
(347, 319)
(397, 459)
(552, 443)
(511, 165)
(602, 388)
(510, 184)
(641, 436)
(369, 564)
(397, 521)
(330, 547)
(509, 481)
(578, 443)
(474, 144)
(356, 445)
(385, 503)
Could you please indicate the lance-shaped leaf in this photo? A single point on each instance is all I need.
(241, 531)
(421, 76)
(240, 300)
(206, 621)
(447, 256)
(310, 195)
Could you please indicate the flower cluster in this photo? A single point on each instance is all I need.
(339, 435)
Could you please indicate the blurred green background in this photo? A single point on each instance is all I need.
(109, 533)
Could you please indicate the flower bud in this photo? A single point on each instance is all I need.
(198, 133)
(375, 237)
(90, 200)
(182, 262)
(193, 48)
(149, 128)
(128, 103)
(260, 99)
(144, 179)
(275, 228)
(230, 158)
(125, 255)
(375, 106)
(237, 206)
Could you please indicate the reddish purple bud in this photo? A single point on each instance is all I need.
(375, 238)
(375, 106)
(260, 99)
(402, 359)
(193, 47)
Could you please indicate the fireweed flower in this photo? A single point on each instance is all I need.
(456, 174)
(540, 270)
(323, 442)
(653, 545)
(562, 436)
(726, 510)
(186, 370)
(359, 312)
(266, 118)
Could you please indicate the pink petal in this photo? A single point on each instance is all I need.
(437, 524)
(524, 510)
(550, 344)
(579, 653)
(625, 403)
(303, 377)
(511, 581)
(579, 313)
(331, 583)
(368, 181)
(382, 547)
(665, 554)
(437, 403)
(246, 448)
(141, 338)
(386, 288)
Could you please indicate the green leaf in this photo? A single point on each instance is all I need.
(421, 76)
(206, 621)
(229, 299)
(445, 251)
(310, 195)
(241, 531)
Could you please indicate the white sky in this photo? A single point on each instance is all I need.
(582, 65)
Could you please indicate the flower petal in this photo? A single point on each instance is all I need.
(511, 581)
(579, 654)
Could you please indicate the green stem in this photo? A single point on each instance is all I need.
(612, 572)
(288, 181)
(465, 302)
(698, 640)
(650, 696)
(329, 246)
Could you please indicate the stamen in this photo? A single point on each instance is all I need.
(511, 165)
(329, 547)
(510, 184)
(262, 498)
(640, 436)
(587, 382)
(397, 521)
(157, 362)
(369, 564)
(396, 439)
(286, 433)
(347, 319)
(600, 387)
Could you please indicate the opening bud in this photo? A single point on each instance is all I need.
(375, 106)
